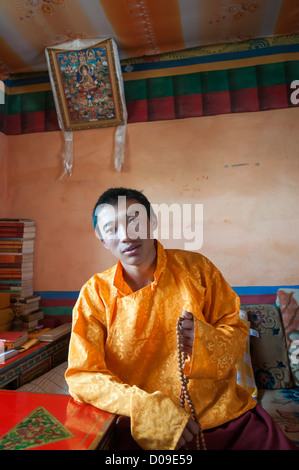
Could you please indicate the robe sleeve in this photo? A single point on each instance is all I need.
(220, 334)
(156, 422)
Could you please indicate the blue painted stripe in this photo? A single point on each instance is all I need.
(31, 80)
(260, 290)
(58, 294)
(247, 290)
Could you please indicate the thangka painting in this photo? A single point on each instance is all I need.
(87, 86)
(37, 429)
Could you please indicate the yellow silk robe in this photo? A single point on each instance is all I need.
(123, 348)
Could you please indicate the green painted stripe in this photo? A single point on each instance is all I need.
(159, 87)
(189, 84)
(12, 104)
(163, 87)
(29, 102)
(292, 70)
(135, 90)
(271, 74)
(242, 78)
(214, 81)
(57, 310)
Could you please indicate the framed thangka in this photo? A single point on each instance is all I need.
(87, 86)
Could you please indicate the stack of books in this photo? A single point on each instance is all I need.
(17, 238)
(56, 333)
(10, 343)
(28, 311)
(13, 339)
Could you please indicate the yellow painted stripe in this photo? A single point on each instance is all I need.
(27, 88)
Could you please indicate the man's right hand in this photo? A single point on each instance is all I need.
(190, 431)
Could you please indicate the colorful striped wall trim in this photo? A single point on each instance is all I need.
(236, 90)
(59, 304)
(247, 77)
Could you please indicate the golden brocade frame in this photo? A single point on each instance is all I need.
(87, 86)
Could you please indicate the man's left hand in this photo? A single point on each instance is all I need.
(187, 332)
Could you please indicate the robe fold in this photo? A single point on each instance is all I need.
(123, 348)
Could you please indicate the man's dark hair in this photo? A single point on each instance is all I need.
(110, 196)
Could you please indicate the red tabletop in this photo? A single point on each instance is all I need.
(43, 422)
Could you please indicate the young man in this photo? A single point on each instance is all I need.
(123, 349)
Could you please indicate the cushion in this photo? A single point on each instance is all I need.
(268, 351)
(51, 382)
(288, 303)
(283, 407)
(245, 374)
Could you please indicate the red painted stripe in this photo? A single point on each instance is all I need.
(216, 102)
(33, 122)
(187, 106)
(258, 299)
(273, 97)
(12, 124)
(244, 101)
(137, 111)
(161, 108)
(56, 320)
(51, 121)
(57, 302)
(245, 300)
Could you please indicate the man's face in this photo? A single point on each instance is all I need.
(126, 231)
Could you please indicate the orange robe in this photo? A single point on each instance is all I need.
(123, 348)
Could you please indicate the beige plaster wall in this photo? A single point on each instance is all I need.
(243, 168)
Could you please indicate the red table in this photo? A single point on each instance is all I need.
(52, 422)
